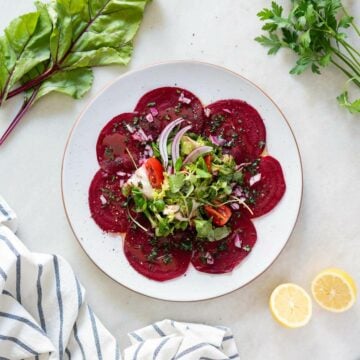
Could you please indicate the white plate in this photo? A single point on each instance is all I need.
(209, 83)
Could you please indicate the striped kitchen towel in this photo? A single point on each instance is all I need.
(171, 340)
(44, 315)
(43, 310)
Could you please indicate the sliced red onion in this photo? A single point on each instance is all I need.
(184, 99)
(235, 206)
(122, 182)
(163, 138)
(201, 150)
(237, 241)
(254, 179)
(121, 173)
(240, 166)
(207, 112)
(149, 117)
(154, 111)
(227, 111)
(175, 147)
(217, 140)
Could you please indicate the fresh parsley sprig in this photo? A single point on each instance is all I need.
(316, 31)
(55, 47)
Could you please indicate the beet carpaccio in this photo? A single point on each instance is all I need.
(183, 182)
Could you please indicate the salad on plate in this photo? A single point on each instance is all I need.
(183, 182)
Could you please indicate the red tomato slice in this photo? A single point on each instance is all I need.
(220, 215)
(208, 159)
(155, 172)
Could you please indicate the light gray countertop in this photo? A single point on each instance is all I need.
(327, 232)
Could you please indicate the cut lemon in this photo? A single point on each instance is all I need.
(291, 305)
(334, 290)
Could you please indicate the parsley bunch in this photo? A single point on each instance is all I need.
(315, 31)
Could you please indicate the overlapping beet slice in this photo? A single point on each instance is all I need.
(121, 143)
(222, 256)
(162, 105)
(157, 258)
(238, 127)
(264, 185)
(107, 203)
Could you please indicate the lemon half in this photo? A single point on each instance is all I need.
(334, 290)
(291, 305)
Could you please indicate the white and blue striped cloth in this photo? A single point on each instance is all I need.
(44, 315)
(172, 340)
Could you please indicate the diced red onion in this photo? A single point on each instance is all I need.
(175, 147)
(163, 138)
(237, 241)
(235, 206)
(103, 199)
(209, 259)
(140, 135)
(217, 140)
(207, 112)
(184, 99)
(149, 150)
(154, 111)
(201, 150)
(149, 118)
(238, 192)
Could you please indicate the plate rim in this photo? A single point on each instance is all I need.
(145, 67)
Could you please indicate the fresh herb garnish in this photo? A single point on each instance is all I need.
(314, 30)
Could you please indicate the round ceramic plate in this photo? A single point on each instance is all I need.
(209, 83)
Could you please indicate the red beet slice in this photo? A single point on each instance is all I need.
(121, 136)
(107, 202)
(158, 259)
(265, 194)
(222, 256)
(240, 125)
(169, 103)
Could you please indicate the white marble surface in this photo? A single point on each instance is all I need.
(328, 229)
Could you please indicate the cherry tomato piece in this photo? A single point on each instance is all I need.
(208, 159)
(155, 172)
(220, 215)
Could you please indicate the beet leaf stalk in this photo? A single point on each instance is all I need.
(55, 48)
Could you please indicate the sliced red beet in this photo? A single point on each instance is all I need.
(107, 202)
(121, 143)
(157, 258)
(162, 105)
(222, 256)
(240, 125)
(263, 195)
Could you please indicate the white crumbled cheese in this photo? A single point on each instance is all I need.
(254, 179)
(171, 209)
(121, 173)
(103, 200)
(140, 179)
(130, 128)
(207, 112)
